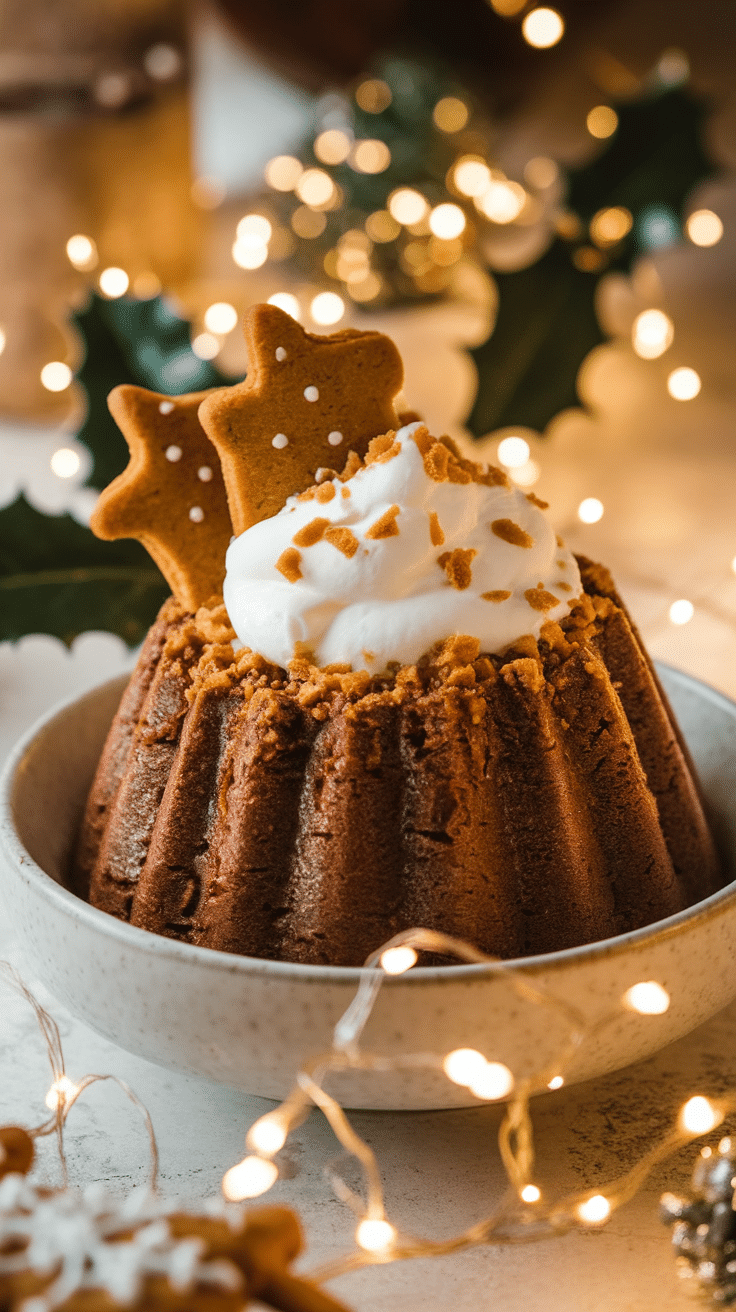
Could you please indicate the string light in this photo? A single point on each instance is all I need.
(327, 308)
(450, 114)
(268, 1135)
(513, 452)
(652, 334)
(249, 257)
(492, 1082)
(373, 95)
(283, 172)
(526, 475)
(82, 252)
(56, 376)
(594, 1210)
(602, 121)
(221, 317)
(65, 462)
(531, 1194)
(332, 146)
(315, 188)
(556, 1082)
(62, 1091)
(114, 282)
(543, 28)
(503, 201)
(407, 206)
(699, 1116)
(370, 156)
(397, 960)
(286, 302)
(647, 998)
(683, 384)
(590, 510)
(682, 611)
(704, 228)
(462, 1065)
(205, 346)
(375, 1235)
(447, 220)
(541, 172)
(382, 226)
(249, 1179)
(471, 175)
(611, 225)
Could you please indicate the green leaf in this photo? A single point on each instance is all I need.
(546, 323)
(131, 341)
(57, 577)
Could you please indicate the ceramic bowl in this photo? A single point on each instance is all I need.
(248, 1023)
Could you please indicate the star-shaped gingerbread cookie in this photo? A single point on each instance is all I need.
(172, 495)
(307, 401)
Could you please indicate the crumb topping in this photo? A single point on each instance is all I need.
(343, 539)
(288, 564)
(457, 566)
(537, 501)
(325, 492)
(436, 536)
(311, 532)
(385, 526)
(513, 533)
(500, 594)
(540, 599)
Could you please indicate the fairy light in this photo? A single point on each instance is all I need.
(683, 384)
(382, 226)
(513, 452)
(447, 220)
(114, 282)
(531, 1193)
(375, 1236)
(62, 1091)
(65, 462)
(397, 960)
(647, 998)
(221, 317)
(267, 1135)
(146, 286)
(332, 146)
(543, 28)
(56, 376)
(652, 334)
(541, 172)
(205, 346)
(373, 95)
(367, 288)
(370, 156)
(594, 1210)
(526, 475)
(308, 223)
(503, 201)
(611, 225)
(249, 1179)
(682, 611)
(254, 230)
(327, 308)
(463, 1064)
(556, 1082)
(704, 228)
(407, 206)
(283, 172)
(315, 188)
(286, 302)
(601, 121)
(450, 114)
(699, 1116)
(590, 510)
(81, 252)
(492, 1081)
(471, 175)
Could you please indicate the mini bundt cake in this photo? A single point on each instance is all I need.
(526, 803)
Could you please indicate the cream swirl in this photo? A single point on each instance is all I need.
(398, 557)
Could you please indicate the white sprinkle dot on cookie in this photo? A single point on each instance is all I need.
(165, 407)
(280, 354)
(196, 514)
(173, 453)
(204, 473)
(311, 394)
(334, 438)
(280, 441)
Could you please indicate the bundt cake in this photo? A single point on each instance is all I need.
(414, 708)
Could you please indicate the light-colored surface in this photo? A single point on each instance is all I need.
(252, 1024)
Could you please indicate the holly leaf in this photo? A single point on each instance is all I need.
(57, 577)
(132, 341)
(546, 323)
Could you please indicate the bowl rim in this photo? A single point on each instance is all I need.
(229, 963)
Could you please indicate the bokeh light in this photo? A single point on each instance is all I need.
(327, 308)
(286, 302)
(315, 188)
(648, 998)
(65, 462)
(249, 1179)
(704, 228)
(205, 346)
(683, 384)
(602, 121)
(370, 156)
(407, 206)
(513, 452)
(373, 95)
(594, 1210)
(450, 114)
(590, 510)
(652, 333)
(397, 960)
(543, 28)
(374, 1236)
(611, 225)
(81, 251)
(283, 172)
(114, 282)
(221, 317)
(699, 1116)
(503, 201)
(56, 376)
(541, 172)
(681, 611)
(447, 220)
(332, 146)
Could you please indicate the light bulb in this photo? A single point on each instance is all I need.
(594, 1210)
(590, 510)
(250, 1178)
(463, 1064)
(220, 317)
(61, 1092)
(699, 1116)
(65, 462)
(267, 1135)
(682, 611)
(56, 376)
(531, 1194)
(683, 384)
(492, 1082)
(396, 960)
(375, 1236)
(114, 282)
(543, 28)
(513, 452)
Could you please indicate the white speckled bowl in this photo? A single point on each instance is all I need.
(247, 1023)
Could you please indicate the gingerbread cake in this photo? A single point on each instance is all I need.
(415, 708)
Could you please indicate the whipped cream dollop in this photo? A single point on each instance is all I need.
(399, 556)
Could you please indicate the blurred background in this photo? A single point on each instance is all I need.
(536, 202)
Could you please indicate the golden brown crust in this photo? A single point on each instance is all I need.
(174, 504)
(273, 430)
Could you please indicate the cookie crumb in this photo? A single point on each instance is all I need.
(311, 532)
(456, 565)
(288, 564)
(540, 599)
(537, 501)
(325, 492)
(512, 533)
(385, 526)
(499, 594)
(343, 539)
(436, 536)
